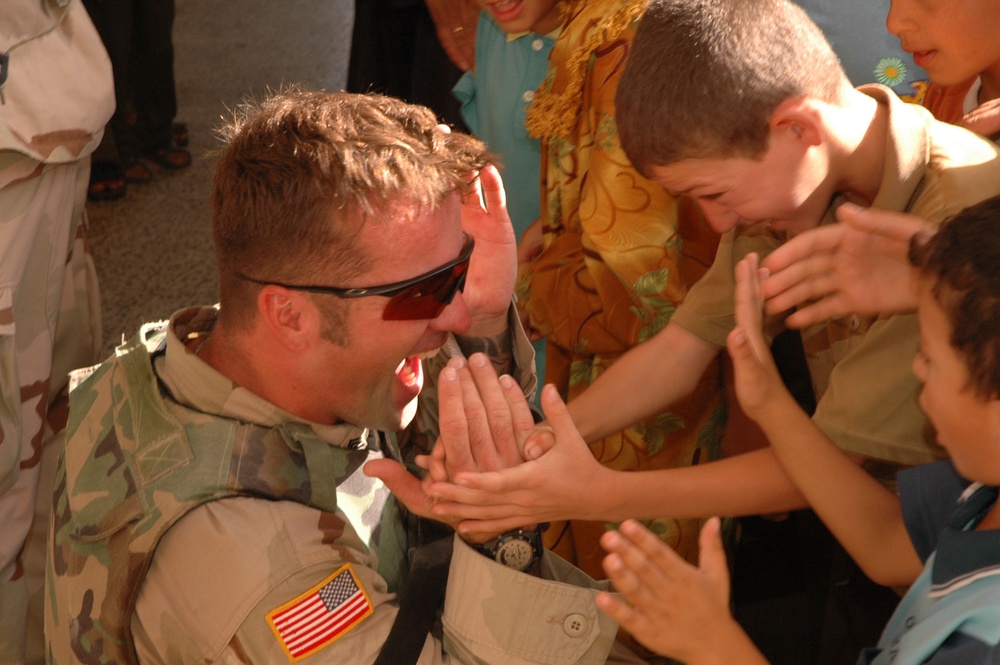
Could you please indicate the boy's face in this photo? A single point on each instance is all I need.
(785, 187)
(541, 16)
(953, 40)
(967, 425)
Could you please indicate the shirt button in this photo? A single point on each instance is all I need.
(575, 625)
(854, 322)
(528, 95)
(537, 45)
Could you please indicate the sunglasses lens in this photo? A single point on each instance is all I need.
(427, 298)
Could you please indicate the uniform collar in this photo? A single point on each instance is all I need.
(196, 384)
(907, 149)
(964, 555)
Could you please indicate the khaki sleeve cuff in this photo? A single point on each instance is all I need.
(494, 614)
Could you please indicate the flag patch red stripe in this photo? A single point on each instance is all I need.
(321, 615)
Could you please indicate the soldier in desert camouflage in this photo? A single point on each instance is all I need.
(221, 498)
(55, 97)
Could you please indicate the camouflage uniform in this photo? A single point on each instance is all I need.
(173, 444)
(56, 100)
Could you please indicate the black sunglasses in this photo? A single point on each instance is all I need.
(421, 297)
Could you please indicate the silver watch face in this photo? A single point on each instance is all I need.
(515, 552)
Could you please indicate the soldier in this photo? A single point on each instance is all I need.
(212, 504)
(55, 97)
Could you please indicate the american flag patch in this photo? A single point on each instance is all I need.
(321, 615)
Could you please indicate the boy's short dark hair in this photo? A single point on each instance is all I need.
(963, 261)
(704, 77)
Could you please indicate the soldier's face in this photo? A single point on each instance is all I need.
(378, 368)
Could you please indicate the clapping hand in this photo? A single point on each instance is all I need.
(858, 266)
(669, 605)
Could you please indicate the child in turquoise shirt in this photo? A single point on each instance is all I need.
(513, 40)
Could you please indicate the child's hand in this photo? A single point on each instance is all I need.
(758, 383)
(858, 266)
(547, 487)
(670, 606)
(531, 243)
(984, 120)
(484, 421)
(455, 21)
(528, 248)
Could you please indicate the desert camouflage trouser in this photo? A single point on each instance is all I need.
(49, 324)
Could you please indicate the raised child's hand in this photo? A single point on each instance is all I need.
(858, 266)
(758, 384)
(669, 605)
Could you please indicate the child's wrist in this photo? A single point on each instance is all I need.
(731, 645)
(775, 409)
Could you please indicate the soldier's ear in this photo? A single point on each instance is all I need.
(284, 316)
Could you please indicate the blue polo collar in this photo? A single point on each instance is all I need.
(964, 555)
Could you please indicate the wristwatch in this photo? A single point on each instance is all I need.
(518, 549)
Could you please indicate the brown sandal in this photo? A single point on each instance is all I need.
(107, 182)
(137, 172)
(170, 157)
(180, 134)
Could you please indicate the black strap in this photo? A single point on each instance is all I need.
(419, 601)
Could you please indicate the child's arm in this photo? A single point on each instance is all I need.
(674, 608)
(566, 482)
(528, 248)
(864, 516)
(647, 379)
(984, 120)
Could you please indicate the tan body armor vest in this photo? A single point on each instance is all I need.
(136, 463)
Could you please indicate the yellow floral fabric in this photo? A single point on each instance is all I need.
(619, 256)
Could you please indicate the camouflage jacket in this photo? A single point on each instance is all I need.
(138, 467)
(59, 91)
(230, 567)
